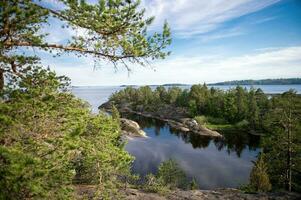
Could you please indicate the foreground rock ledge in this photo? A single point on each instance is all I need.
(220, 194)
(87, 192)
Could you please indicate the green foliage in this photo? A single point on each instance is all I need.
(115, 114)
(201, 119)
(253, 112)
(118, 32)
(282, 145)
(192, 107)
(49, 141)
(171, 174)
(194, 185)
(173, 94)
(168, 177)
(222, 107)
(154, 184)
(214, 123)
(48, 138)
(259, 179)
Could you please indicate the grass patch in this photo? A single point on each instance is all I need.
(220, 123)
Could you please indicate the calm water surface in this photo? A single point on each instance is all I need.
(214, 163)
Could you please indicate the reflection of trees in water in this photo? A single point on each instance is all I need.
(232, 141)
(237, 142)
(197, 141)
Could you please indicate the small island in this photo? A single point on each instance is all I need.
(279, 81)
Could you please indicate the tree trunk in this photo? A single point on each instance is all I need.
(289, 154)
(1, 79)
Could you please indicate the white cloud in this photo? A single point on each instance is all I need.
(193, 17)
(275, 63)
(221, 34)
(186, 17)
(264, 20)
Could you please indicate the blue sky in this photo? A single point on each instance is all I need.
(213, 40)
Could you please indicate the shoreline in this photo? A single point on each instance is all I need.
(183, 124)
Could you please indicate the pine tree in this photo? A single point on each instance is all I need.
(253, 110)
(49, 141)
(282, 144)
(259, 179)
(194, 185)
(116, 31)
(171, 174)
(115, 113)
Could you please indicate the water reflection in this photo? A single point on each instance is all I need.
(213, 162)
(232, 142)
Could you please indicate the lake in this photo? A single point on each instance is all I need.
(214, 163)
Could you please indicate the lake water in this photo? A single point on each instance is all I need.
(214, 163)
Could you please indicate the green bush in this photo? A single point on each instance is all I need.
(172, 175)
(242, 124)
(169, 177)
(215, 120)
(202, 120)
(194, 185)
(155, 184)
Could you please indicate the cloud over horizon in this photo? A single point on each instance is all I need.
(275, 63)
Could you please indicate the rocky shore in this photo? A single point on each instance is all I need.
(175, 117)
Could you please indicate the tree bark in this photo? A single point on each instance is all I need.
(1, 79)
(289, 154)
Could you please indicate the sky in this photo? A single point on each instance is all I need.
(213, 41)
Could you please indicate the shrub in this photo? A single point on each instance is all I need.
(155, 184)
(194, 185)
(171, 174)
(202, 120)
(259, 179)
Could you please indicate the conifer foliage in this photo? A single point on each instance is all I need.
(259, 179)
(114, 30)
(49, 141)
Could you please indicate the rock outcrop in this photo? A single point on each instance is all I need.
(191, 125)
(131, 128)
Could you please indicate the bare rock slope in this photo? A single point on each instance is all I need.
(221, 194)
